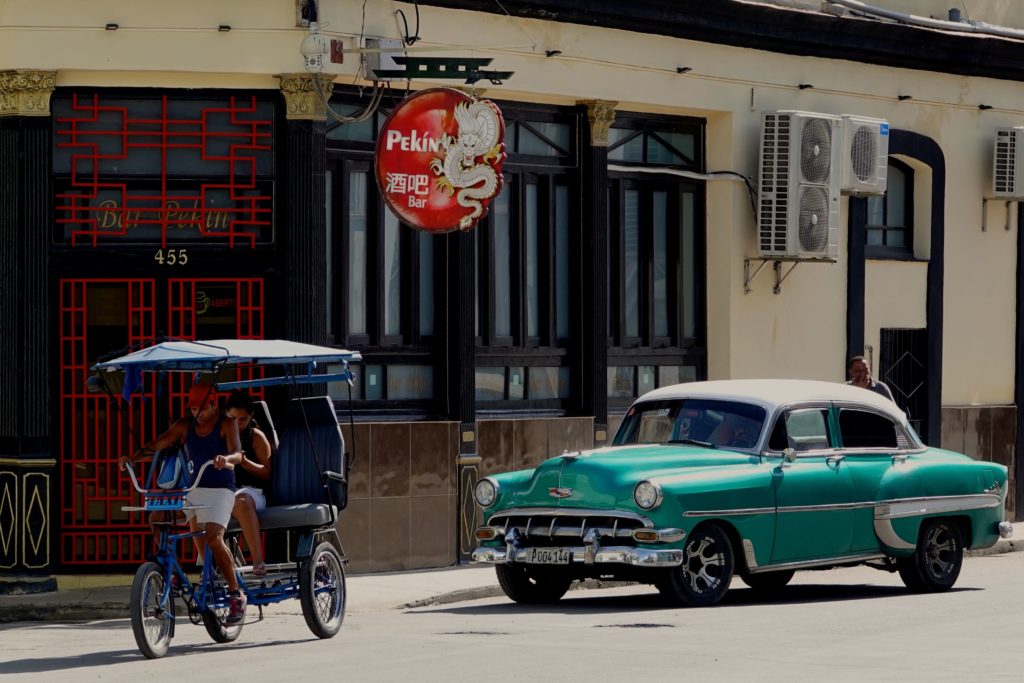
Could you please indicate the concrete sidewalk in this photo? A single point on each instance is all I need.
(365, 592)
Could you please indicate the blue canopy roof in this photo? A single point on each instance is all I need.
(217, 353)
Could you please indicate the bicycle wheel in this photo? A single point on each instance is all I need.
(152, 614)
(322, 591)
(215, 621)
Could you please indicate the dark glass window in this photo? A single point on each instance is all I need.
(525, 266)
(861, 429)
(890, 217)
(656, 255)
(381, 274)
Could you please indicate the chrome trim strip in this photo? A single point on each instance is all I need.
(808, 564)
(643, 557)
(905, 507)
(912, 507)
(748, 552)
(569, 512)
(888, 536)
(828, 508)
(729, 513)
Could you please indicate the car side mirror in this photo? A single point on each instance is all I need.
(789, 455)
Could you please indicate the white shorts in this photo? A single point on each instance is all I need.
(256, 494)
(216, 505)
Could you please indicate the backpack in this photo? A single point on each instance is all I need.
(173, 468)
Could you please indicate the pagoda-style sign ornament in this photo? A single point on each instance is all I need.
(439, 159)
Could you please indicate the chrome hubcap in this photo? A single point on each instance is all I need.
(940, 551)
(702, 565)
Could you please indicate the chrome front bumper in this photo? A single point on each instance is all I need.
(643, 557)
(1005, 530)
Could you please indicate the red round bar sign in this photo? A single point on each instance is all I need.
(439, 158)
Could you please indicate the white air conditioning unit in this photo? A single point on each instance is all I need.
(1008, 164)
(798, 193)
(865, 155)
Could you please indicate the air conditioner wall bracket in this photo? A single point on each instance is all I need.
(781, 272)
(984, 212)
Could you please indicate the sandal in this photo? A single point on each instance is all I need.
(259, 569)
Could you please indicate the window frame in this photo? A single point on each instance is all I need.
(783, 413)
(649, 348)
(519, 348)
(885, 251)
(898, 431)
(410, 346)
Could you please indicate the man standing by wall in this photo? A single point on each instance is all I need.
(860, 376)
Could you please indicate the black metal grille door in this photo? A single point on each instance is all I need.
(902, 365)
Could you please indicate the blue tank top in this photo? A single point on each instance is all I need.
(202, 449)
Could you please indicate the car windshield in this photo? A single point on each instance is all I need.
(704, 422)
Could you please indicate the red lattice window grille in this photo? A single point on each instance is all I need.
(162, 170)
(97, 316)
(213, 308)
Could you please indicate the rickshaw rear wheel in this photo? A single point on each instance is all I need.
(322, 591)
(152, 619)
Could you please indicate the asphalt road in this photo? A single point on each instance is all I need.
(843, 625)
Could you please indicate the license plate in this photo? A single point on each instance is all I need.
(548, 556)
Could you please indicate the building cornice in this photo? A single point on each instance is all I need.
(782, 30)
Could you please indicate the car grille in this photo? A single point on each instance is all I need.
(544, 526)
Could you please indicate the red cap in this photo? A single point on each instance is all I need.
(200, 395)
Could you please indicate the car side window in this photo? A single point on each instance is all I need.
(863, 429)
(807, 430)
(802, 430)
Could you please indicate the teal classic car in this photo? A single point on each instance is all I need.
(756, 478)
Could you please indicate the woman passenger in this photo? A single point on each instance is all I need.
(251, 475)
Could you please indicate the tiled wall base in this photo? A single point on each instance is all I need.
(403, 491)
(985, 433)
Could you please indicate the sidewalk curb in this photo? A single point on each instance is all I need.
(60, 613)
(1005, 545)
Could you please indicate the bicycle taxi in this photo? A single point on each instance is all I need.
(307, 490)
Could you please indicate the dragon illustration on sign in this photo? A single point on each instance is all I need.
(439, 159)
(480, 133)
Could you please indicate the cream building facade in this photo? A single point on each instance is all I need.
(951, 293)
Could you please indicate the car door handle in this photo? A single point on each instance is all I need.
(834, 460)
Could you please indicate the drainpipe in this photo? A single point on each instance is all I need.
(977, 27)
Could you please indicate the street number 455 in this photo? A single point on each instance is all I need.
(171, 257)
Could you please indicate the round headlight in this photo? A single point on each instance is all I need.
(647, 495)
(486, 492)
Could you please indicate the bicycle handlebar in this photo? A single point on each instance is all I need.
(195, 482)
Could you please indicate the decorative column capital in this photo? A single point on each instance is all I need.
(24, 92)
(601, 114)
(305, 94)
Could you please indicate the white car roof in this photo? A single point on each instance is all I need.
(773, 393)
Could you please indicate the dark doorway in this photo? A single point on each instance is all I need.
(902, 364)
